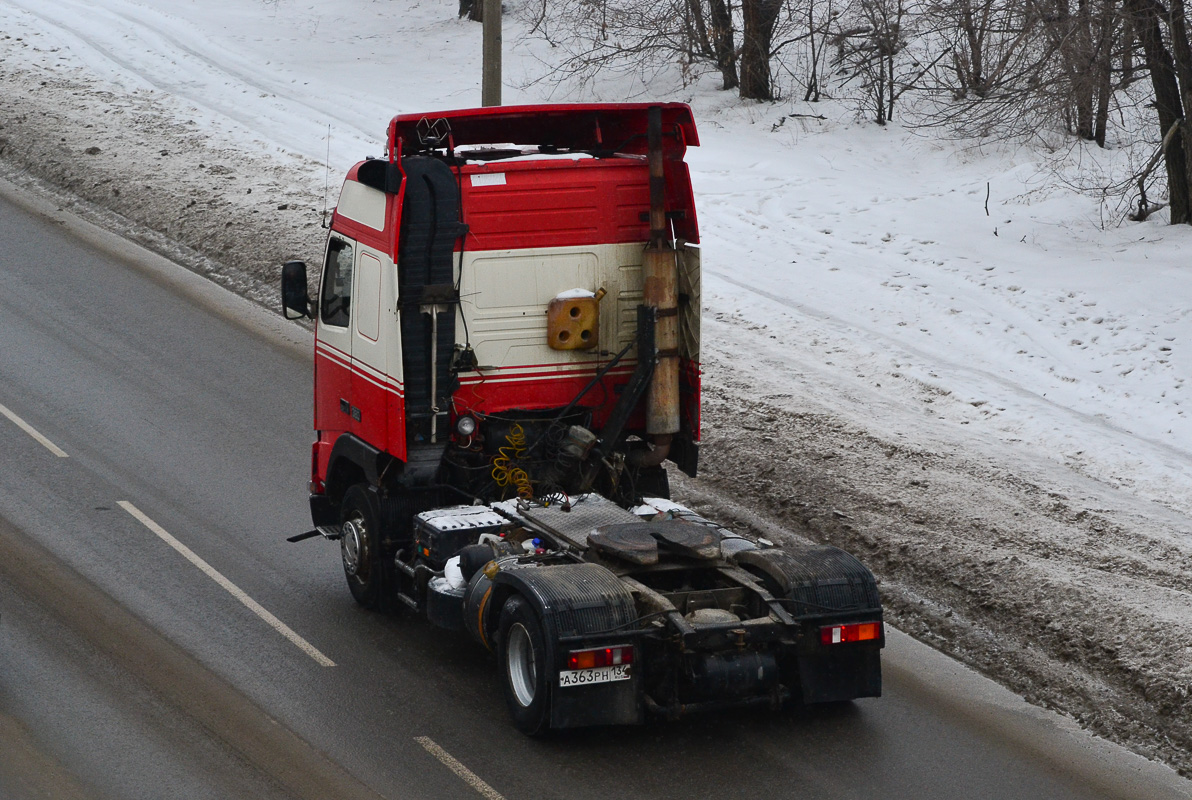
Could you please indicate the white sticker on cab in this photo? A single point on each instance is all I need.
(489, 179)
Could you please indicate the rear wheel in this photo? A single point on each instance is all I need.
(523, 656)
(365, 565)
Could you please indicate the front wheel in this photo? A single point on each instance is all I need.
(365, 565)
(523, 656)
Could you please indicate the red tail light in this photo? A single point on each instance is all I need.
(854, 632)
(600, 657)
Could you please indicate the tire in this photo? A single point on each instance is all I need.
(365, 564)
(522, 653)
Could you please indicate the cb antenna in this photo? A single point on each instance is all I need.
(327, 176)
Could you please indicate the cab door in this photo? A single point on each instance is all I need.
(373, 389)
(333, 340)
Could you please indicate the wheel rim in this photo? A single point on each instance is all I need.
(523, 669)
(354, 545)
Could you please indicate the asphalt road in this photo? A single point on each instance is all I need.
(159, 638)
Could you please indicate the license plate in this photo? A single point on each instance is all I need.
(584, 677)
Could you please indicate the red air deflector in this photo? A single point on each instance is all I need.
(572, 126)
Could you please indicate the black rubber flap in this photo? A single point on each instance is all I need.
(686, 538)
(631, 542)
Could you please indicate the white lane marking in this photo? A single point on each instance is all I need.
(29, 429)
(232, 588)
(469, 777)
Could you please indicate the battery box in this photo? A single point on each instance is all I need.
(443, 532)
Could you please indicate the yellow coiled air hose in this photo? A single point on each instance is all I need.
(505, 471)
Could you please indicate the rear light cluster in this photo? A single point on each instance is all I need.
(600, 657)
(855, 632)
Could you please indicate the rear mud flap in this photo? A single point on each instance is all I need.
(834, 676)
(616, 703)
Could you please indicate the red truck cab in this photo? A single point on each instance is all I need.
(435, 302)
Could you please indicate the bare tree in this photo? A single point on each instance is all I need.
(871, 51)
(1023, 66)
(1182, 50)
(757, 34)
(646, 36)
(807, 27)
(815, 43)
(992, 67)
(1084, 38)
(723, 46)
(712, 30)
(642, 37)
(988, 40)
(1171, 106)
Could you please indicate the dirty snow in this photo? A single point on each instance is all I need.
(926, 352)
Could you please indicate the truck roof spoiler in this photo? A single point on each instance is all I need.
(608, 127)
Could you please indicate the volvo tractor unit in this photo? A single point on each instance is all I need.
(507, 334)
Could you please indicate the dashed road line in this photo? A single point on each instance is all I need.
(29, 429)
(449, 761)
(231, 588)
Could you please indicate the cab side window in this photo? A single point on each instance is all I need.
(336, 296)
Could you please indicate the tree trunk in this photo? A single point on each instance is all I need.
(722, 42)
(1128, 38)
(879, 91)
(1182, 49)
(1083, 98)
(891, 89)
(1107, 26)
(697, 31)
(1081, 61)
(1146, 15)
(1103, 93)
(813, 87)
(759, 18)
(976, 47)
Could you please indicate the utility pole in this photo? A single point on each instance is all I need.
(490, 82)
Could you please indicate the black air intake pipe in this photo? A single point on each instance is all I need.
(428, 299)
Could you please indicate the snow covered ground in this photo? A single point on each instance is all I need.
(928, 352)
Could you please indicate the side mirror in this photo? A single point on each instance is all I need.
(295, 303)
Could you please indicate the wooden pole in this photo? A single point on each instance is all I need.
(490, 84)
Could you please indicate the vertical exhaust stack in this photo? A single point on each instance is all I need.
(660, 291)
